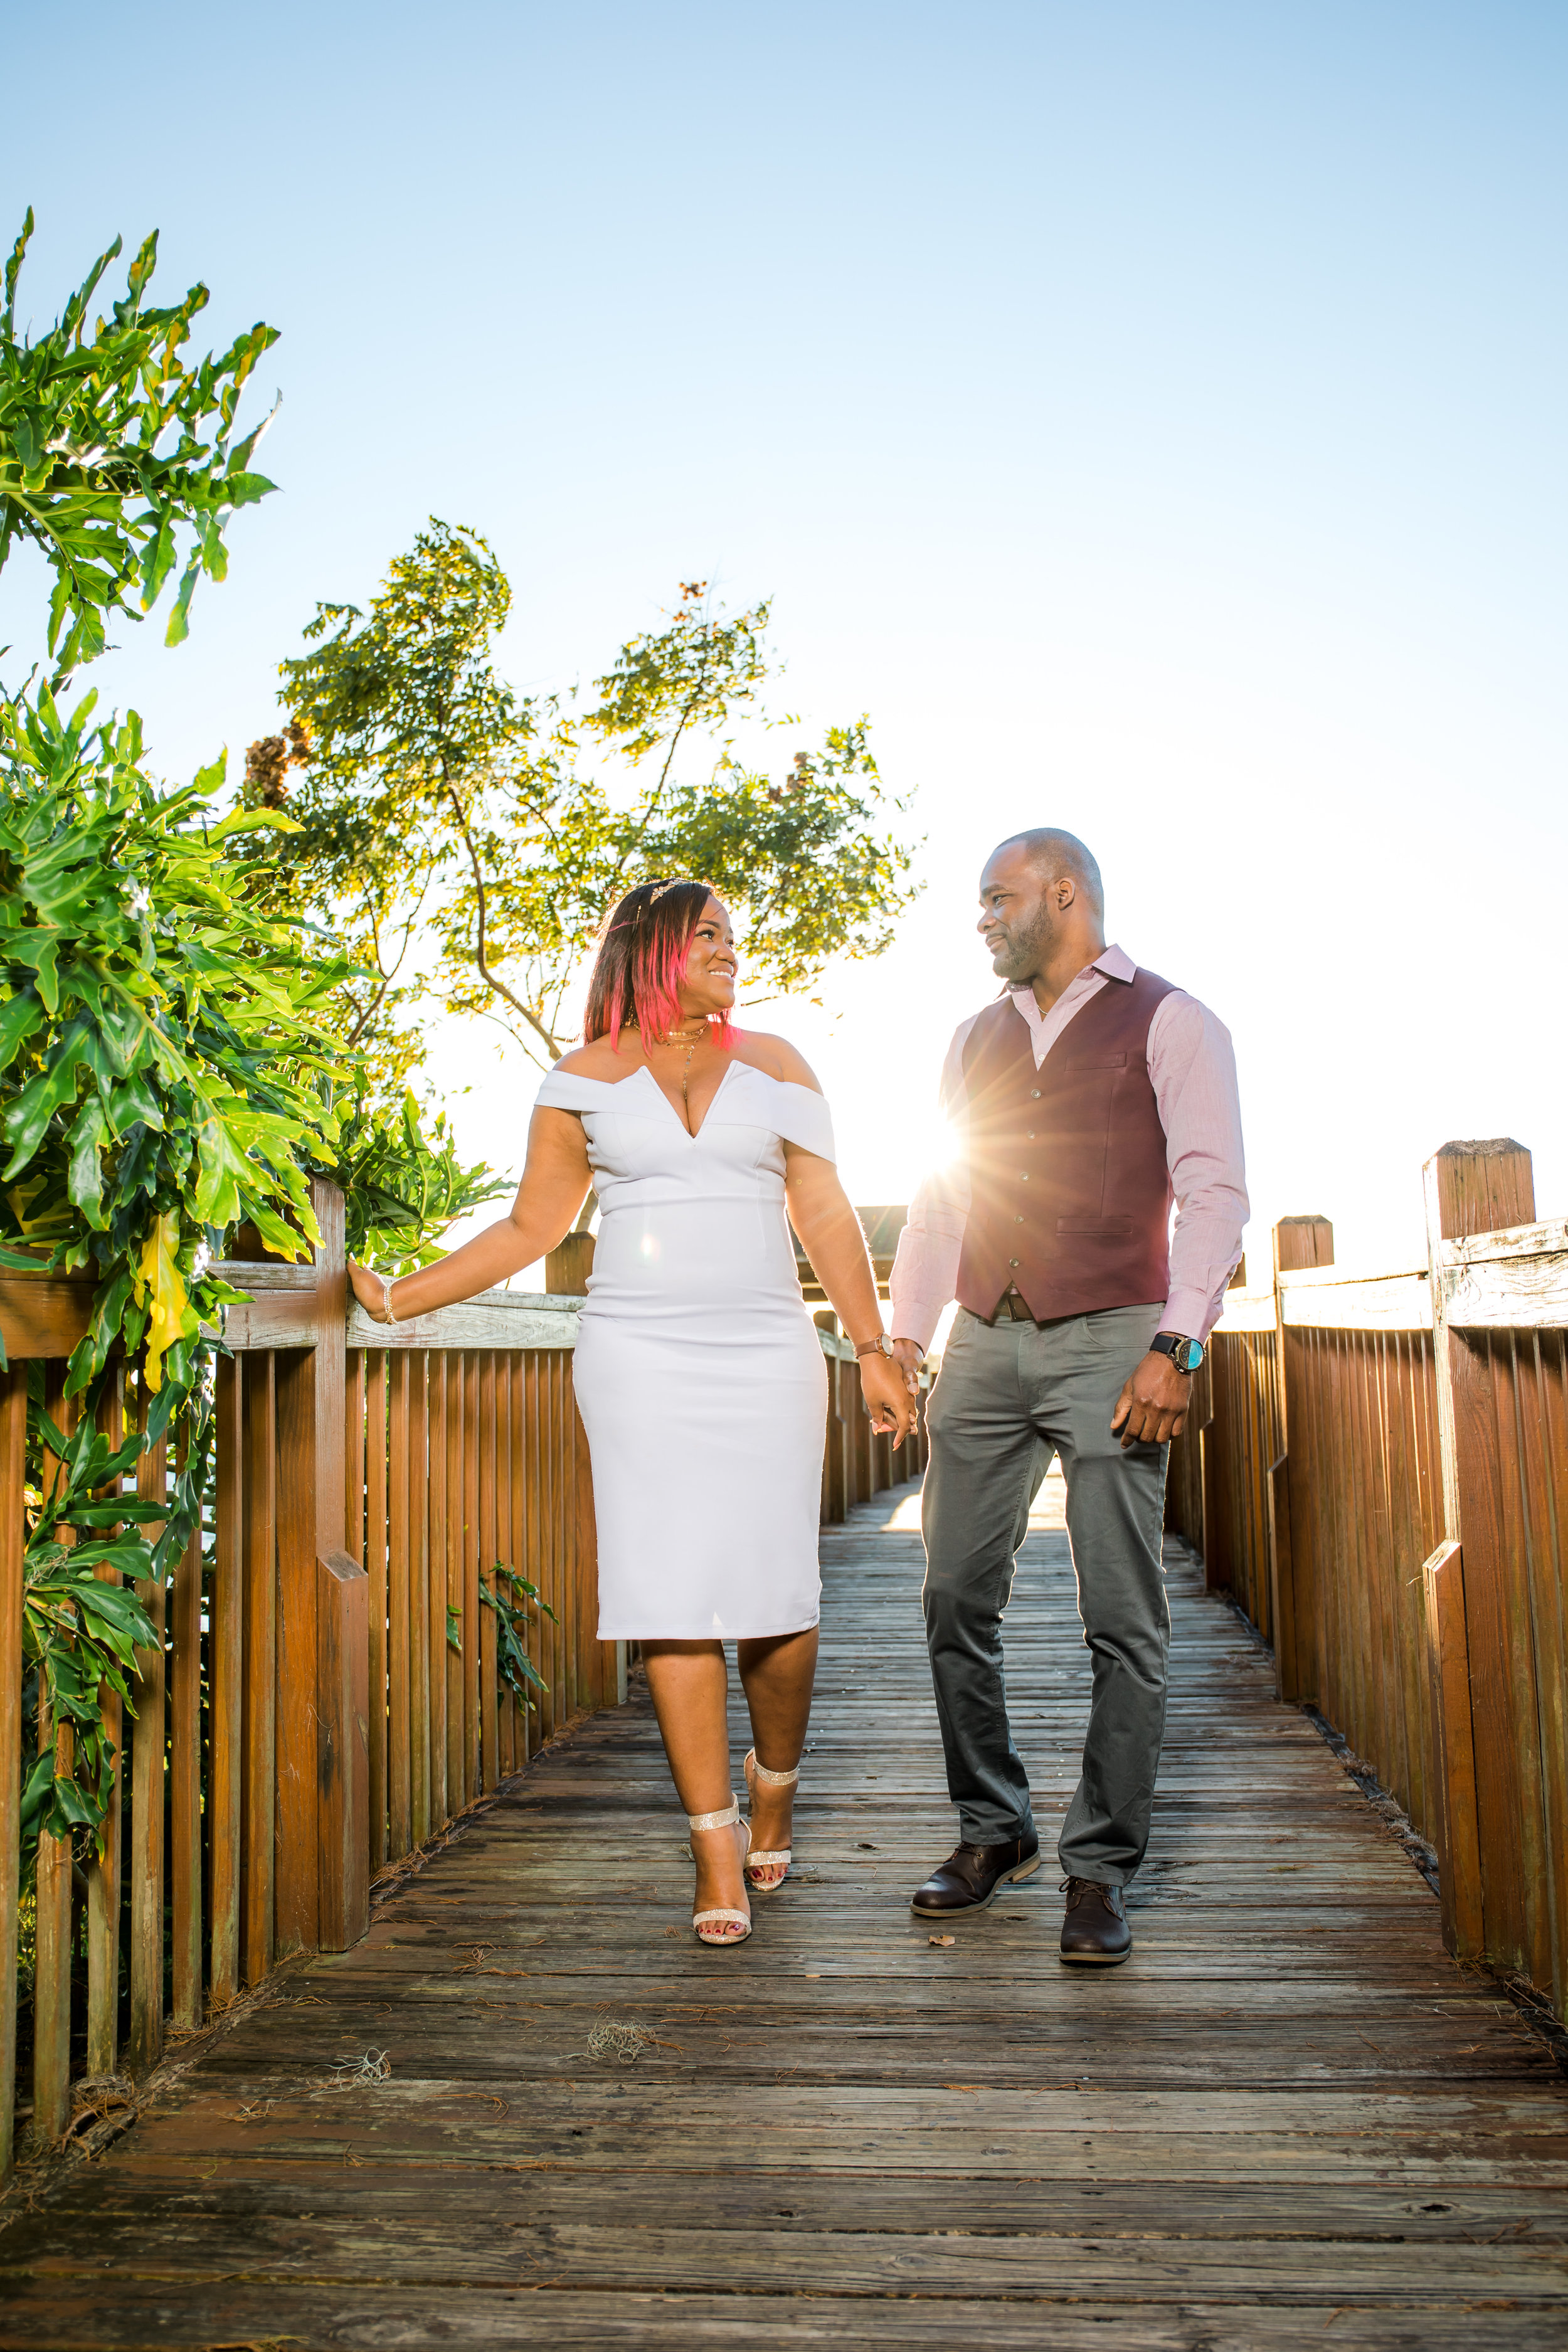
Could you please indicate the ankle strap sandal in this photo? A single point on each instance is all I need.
(728, 1819)
(758, 1775)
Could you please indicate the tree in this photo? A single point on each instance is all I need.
(445, 819)
(113, 452)
(168, 1062)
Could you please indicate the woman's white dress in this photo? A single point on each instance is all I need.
(698, 1372)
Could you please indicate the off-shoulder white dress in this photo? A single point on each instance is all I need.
(698, 1372)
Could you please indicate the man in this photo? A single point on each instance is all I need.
(1086, 1096)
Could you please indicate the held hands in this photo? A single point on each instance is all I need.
(1152, 1406)
(887, 1397)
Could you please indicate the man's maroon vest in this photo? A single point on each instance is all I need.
(1071, 1199)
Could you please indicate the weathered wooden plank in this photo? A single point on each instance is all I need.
(225, 1755)
(1289, 2109)
(258, 1798)
(13, 1534)
(145, 2042)
(103, 1882)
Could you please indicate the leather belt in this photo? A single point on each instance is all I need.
(1012, 1310)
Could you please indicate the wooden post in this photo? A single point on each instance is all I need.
(566, 1269)
(1298, 1242)
(343, 1754)
(1476, 1188)
(1453, 1761)
(312, 1409)
(13, 1472)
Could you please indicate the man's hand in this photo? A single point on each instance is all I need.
(1153, 1405)
(909, 1359)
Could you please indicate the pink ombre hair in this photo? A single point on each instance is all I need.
(637, 975)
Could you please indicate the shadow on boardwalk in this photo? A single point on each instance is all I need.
(1289, 2121)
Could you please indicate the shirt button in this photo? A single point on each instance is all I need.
(1023, 1178)
(1012, 1261)
(1030, 1137)
(1034, 1094)
(1017, 1221)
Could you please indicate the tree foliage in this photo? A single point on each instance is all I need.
(114, 453)
(169, 1064)
(466, 841)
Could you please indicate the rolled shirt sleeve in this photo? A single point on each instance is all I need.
(1192, 1068)
(925, 1267)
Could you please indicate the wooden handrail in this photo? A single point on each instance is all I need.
(1405, 1548)
(328, 1689)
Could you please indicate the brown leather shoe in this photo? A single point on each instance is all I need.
(1095, 1933)
(970, 1876)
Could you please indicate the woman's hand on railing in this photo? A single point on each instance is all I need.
(888, 1400)
(370, 1290)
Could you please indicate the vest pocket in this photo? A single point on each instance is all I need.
(1094, 1229)
(1098, 1062)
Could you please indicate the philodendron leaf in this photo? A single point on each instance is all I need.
(84, 1181)
(19, 1019)
(160, 1287)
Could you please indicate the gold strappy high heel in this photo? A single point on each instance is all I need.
(728, 1818)
(757, 1773)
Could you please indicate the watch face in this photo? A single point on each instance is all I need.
(1188, 1355)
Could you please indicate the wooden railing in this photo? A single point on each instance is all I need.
(1376, 1465)
(328, 1692)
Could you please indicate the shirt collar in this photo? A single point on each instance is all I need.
(1114, 964)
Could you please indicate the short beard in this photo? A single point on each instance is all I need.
(1028, 951)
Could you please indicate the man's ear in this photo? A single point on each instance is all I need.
(1067, 891)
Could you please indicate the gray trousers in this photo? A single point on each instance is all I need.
(1008, 1398)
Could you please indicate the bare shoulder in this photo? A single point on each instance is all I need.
(600, 1060)
(775, 1057)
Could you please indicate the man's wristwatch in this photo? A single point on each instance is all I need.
(1185, 1354)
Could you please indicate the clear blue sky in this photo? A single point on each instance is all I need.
(1152, 414)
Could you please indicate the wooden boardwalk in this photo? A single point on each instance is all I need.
(1289, 2121)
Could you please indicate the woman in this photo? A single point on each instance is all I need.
(698, 1372)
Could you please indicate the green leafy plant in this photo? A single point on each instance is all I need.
(81, 1631)
(403, 1183)
(114, 452)
(514, 1664)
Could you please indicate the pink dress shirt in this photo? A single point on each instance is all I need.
(1191, 1069)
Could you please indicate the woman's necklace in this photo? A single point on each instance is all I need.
(690, 1039)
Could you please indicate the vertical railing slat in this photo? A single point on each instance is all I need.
(399, 1585)
(226, 1643)
(418, 1630)
(186, 1778)
(52, 1879)
(13, 1472)
(376, 1562)
(258, 1794)
(496, 1503)
(103, 1864)
(148, 1740)
(476, 1472)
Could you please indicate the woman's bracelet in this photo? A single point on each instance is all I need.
(386, 1281)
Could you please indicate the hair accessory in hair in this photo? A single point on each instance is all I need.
(661, 888)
